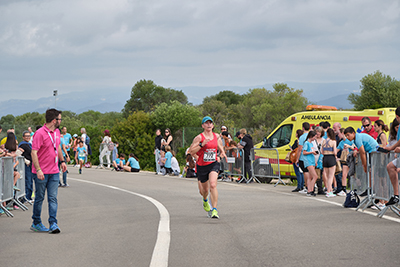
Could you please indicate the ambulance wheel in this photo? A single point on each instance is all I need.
(262, 171)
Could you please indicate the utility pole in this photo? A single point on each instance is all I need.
(55, 93)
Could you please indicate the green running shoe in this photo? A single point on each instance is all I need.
(214, 214)
(206, 205)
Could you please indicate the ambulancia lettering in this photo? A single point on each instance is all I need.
(316, 117)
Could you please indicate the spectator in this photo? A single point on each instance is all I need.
(176, 170)
(325, 125)
(67, 140)
(299, 175)
(74, 146)
(317, 144)
(393, 132)
(329, 162)
(189, 169)
(31, 133)
(82, 154)
(66, 159)
(168, 139)
(27, 147)
(86, 141)
(309, 162)
(161, 162)
(300, 156)
(157, 149)
(115, 151)
(105, 151)
(379, 127)
(133, 161)
(344, 146)
(167, 160)
(11, 147)
(246, 143)
(119, 163)
(368, 127)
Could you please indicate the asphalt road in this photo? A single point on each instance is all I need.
(113, 219)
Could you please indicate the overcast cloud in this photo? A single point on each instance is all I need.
(83, 45)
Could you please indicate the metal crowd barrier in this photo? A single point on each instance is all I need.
(108, 154)
(7, 182)
(20, 184)
(375, 182)
(233, 165)
(265, 164)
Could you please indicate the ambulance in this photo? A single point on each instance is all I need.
(284, 136)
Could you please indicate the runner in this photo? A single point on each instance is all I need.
(205, 146)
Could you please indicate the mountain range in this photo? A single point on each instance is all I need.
(106, 100)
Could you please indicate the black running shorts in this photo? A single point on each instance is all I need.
(301, 165)
(329, 161)
(204, 171)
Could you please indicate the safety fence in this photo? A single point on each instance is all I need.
(376, 181)
(7, 190)
(233, 165)
(106, 155)
(265, 165)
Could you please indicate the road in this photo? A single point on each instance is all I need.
(138, 219)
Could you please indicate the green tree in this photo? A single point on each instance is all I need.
(175, 116)
(377, 90)
(135, 135)
(216, 109)
(145, 95)
(8, 120)
(226, 97)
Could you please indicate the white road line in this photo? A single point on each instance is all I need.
(161, 249)
(326, 201)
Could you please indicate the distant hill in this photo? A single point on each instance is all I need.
(114, 99)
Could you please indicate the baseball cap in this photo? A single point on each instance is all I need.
(206, 118)
(237, 134)
(75, 135)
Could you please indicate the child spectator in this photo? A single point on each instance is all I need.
(82, 153)
(189, 169)
(161, 161)
(133, 161)
(119, 163)
(167, 160)
(176, 170)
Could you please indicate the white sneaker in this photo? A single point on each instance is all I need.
(342, 194)
(330, 194)
(304, 191)
(381, 206)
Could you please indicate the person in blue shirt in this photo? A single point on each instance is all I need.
(119, 163)
(344, 146)
(364, 142)
(300, 156)
(82, 153)
(67, 139)
(66, 158)
(133, 161)
(309, 162)
(167, 160)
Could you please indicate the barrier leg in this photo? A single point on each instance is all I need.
(26, 200)
(20, 205)
(7, 212)
(280, 181)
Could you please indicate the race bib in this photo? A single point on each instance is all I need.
(81, 154)
(210, 156)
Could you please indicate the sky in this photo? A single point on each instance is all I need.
(75, 46)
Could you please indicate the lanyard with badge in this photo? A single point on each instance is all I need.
(54, 144)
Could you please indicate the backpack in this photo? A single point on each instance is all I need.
(352, 200)
(87, 140)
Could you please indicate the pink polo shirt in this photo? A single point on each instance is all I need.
(46, 143)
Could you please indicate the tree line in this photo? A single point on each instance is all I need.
(152, 106)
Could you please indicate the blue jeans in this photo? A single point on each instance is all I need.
(157, 157)
(28, 182)
(300, 177)
(50, 183)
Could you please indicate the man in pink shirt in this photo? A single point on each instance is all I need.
(46, 152)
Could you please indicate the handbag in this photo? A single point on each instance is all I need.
(293, 155)
(287, 158)
(343, 156)
(338, 167)
(352, 200)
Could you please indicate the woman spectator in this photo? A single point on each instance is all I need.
(299, 175)
(379, 127)
(189, 169)
(11, 147)
(27, 147)
(393, 132)
(167, 139)
(329, 162)
(319, 159)
(133, 161)
(105, 151)
(74, 146)
(175, 165)
(309, 162)
(345, 146)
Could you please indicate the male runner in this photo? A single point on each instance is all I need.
(205, 147)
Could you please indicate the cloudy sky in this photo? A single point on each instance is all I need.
(79, 45)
